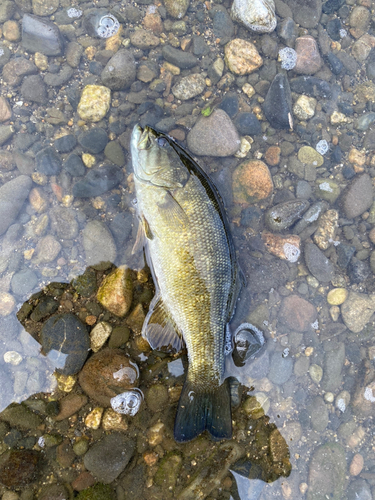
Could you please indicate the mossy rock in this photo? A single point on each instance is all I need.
(97, 492)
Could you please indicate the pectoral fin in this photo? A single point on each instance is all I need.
(143, 232)
(159, 329)
(172, 212)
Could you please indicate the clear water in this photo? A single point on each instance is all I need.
(303, 408)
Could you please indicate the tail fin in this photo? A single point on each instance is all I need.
(198, 411)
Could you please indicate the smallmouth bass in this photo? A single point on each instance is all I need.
(192, 259)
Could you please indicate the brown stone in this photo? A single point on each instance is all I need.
(18, 467)
(308, 57)
(69, 405)
(285, 247)
(152, 20)
(83, 481)
(272, 155)
(251, 182)
(116, 291)
(178, 134)
(5, 110)
(107, 374)
(297, 313)
(64, 454)
(242, 57)
(143, 39)
(38, 200)
(16, 69)
(11, 31)
(356, 465)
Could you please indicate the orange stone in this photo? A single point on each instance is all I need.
(251, 182)
(152, 21)
(272, 155)
(285, 247)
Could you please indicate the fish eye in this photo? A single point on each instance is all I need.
(162, 141)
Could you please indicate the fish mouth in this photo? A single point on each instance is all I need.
(142, 137)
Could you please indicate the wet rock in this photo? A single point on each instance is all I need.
(12, 197)
(144, 39)
(297, 313)
(176, 8)
(332, 6)
(357, 310)
(247, 124)
(333, 364)
(251, 182)
(20, 416)
(41, 35)
(5, 110)
(93, 140)
(120, 71)
(258, 15)
(359, 490)
(242, 57)
(325, 232)
(69, 405)
(98, 181)
(310, 156)
(189, 86)
(116, 291)
(74, 166)
(114, 153)
(53, 492)
(94, 103)
(73, 54)
(6, 132)
(284, 215)
(156, 398)
(318, 412)
(358, 197)
(356, 465)
(48, 162)
(108, 373)
(214, 136)
(18, 467)
(85, 284)
(7, 10)
(23, 282)
(94, 491)
(65, 143)
(179, 58)
(318, 264)
(99, 246)
(66, 342)
(63, 223)
(16, 69)
(60, 78)
(311, 86)
(278, 103)
(223, 26)
(34, 89)
(285, 247)
(358, 270)
(107, 458)
(47, 249)
(308, 57)
(337, 296)
(359, 21)
(327, 472)
(327, 189)
(306, 12)
(281, 368)
(304, 108)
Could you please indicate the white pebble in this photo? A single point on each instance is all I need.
(128, 402)
(12, 357)
(108, 26)
(369, 395)
(74, 13)
(322, 147)
(291, 252)
(288, 58)
(176, 367)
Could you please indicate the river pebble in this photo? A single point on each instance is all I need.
(285, 247)
(324, 235)
(18, 467)
(66, 342)
(119, 72)
(333, 364)
(281, 368)
(251, 182)
(318, 412)
(107, 373)
(116, 291)
(242, 57)
(318, 264)
(358, 197)
(304, 108)
(94, 103)
(277, 105)
(98, 181)
(297, 313)
(41, 35)
(12, 196)
(357, 310)
(69, 405)
(214, 135)
(99, 335)
(188, 87)
(316, 373)
(308, 57)
(327, 472)
(258, 15)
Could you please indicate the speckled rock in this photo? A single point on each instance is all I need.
(358, 197)
(308, 57)
(357, 310)
(66, 342)
(304, 108)
(285, 247)
(277, 105)
(47, 249)
(337, 296)
(144, 39)
(116, 291)
(324, 235)
(99, 335)
(327, 189)
(108, 373)
(99, 245)
(258, 15)
(297, 313)
(251, 182)
(310, 156)
(242, 57)
(327, 472)
(318, 264)
(94, 103)
(188, 87)
(18, 467)
(214, 135)
(283, 215)
(176, 8)
(107, 458)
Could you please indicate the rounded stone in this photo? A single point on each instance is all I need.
(281, 368)
(337, 296)
(93, 140)
(18, 467)
(23, 282)
(65, 341)
(310, 156)
(7, 303)
(116, 291)
(144, 39)
(308, 57)
(358, 197)
(94, 103)
(242, 57)
(297, 313)
(108, 373)
(157, 398)
(176, 8)
(316, 373)
(251, 182)
(304, 108)
(44, 8)
(100, 248)
(356, 465)
(188, 87)
(258, 15)
(120, 71)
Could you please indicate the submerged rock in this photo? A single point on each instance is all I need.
(283, 215)
(327, 472)
(278, 103)
(258, 15)
(41, 35)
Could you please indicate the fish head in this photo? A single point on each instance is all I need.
(155, 161)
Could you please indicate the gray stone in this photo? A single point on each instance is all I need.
(60, 78)
(23, 282)
(16, 69)
(12, 197)
(357, 310)
(6, 132)
(63, 223)
(98, 244)
(318, 264)
(327, 473)
(98, 181)
(48, 162)
(281, 368)
(41, 35)
(7, 9)
(319, 414)
(34, 89)
(333, 364)
(358, 197)
(359, 490)
(107, 458)
(20, 416)
(181, 59)
(120, 71)
(283, 215)
(188, 87)
(214, 136)
(306, 12)
(73, 54)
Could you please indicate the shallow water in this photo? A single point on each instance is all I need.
(303, 405)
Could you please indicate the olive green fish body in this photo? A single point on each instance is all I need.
(191, 255)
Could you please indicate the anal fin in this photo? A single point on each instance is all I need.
(159, 329)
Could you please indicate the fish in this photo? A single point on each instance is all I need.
(189, 249)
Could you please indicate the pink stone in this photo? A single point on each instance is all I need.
(308, 57)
